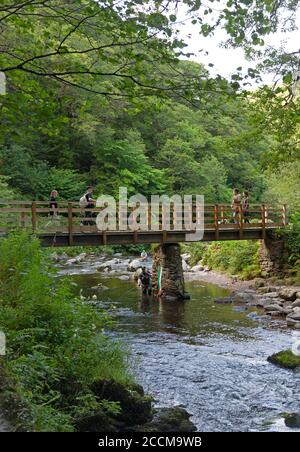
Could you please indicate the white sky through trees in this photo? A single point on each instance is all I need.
(227, 60)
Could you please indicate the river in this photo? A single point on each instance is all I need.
(210, 358)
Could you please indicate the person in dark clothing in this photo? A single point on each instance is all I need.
(145, 281)
(53, 205)
(90, 204)
(245, 207)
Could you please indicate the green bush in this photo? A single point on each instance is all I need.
(234, 257)
(293, 245)
(56, 348)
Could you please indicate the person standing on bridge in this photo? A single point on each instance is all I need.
(89, 203)
(236, 205)
(53, 203)
(245, 206)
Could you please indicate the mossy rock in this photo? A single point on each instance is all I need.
(175, 419)
(286, 359)
(98, 422)
(135, 406)
(292, 420)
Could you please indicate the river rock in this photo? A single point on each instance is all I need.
(288, 294)
(263, 290)
(185, 266)
(76, 260)
(291, 322)
(124, 277)
(294, 316)
(197, 268)
(175, 419)
(99, 288)
(271, 295)
(243, 297)
(292, 420)
(296, 303)
(186, 257)
(286, 359)
(135, 264)
(113, 264)
(259, 282)
(59, 257)
(273, 307)
(224, 300)
(135, 406)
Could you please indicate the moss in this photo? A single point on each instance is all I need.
(286, 359)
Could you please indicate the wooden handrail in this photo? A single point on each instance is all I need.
(216, 217)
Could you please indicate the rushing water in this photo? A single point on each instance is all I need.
(207, 357)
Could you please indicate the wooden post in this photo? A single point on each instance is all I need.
(33, 216)
(263, 220)
(70, 224)
(284, 215)
(23, 217)
(216, 221)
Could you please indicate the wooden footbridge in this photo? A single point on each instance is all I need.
(68, 226)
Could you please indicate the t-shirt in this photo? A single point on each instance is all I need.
(245, 203)
(53, 202)
(236, 199)
(88, 198)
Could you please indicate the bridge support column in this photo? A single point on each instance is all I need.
(167, 273)
(272, 254)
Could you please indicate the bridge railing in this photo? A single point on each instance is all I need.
(37, 217)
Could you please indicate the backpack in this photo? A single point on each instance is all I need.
(83, 202)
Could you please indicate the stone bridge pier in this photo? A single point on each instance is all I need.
(167, 273)
(272, 254)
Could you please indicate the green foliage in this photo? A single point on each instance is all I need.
(56, 348)
(283, 185)
(235, 257)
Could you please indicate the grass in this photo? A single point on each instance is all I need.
(233, 257)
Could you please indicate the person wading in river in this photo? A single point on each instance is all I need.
(145, 281)
(235, 205)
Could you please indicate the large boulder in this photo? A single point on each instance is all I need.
(296, 303)
(292, 420)
(295, 315)
(288, 294)
(135, 407)
(274, 307)
(135, 265)
(286, 359)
